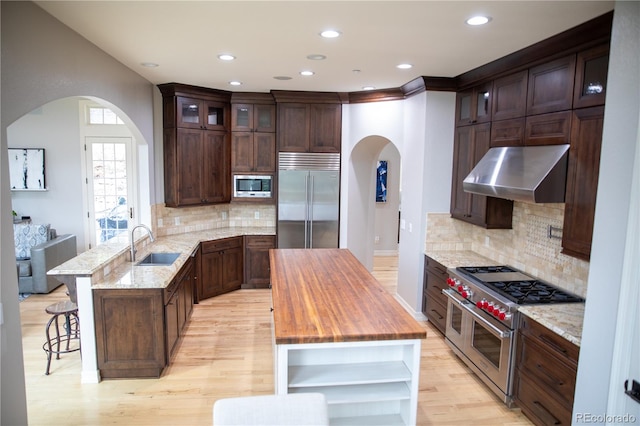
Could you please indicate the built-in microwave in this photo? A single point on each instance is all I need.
(250, 186)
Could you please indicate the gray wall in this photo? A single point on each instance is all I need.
(43, 60)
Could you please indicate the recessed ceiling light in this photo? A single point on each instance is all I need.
(368, 87)
(478, 20)
(330, 34)
(316, 57)
(306, 73)
(235, 83)
(226, 57)
(282, 77)
(404, 66)
(149, 64)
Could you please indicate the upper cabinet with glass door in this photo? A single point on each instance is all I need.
(200, 114)
(253, 118)
(473, 106)
(591, 77)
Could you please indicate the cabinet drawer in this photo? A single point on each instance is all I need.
(217, 245)
(507, 132)
(548, 129)
(170, 290)
(553, 342)
(435, 267)
(553, 373)
(435, 285)
(541, 408)
(261, 241)
(435, 310)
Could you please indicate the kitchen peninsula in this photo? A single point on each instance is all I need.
(120, 301)
(339, 332)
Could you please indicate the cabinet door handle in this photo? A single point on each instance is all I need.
(544, 409)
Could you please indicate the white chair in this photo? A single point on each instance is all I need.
(301, 409)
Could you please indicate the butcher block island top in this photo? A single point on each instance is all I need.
(327, 295)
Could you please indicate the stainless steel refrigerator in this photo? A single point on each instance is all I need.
(308, 200)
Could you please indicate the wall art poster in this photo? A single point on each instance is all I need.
(381, 182)
(26, 168)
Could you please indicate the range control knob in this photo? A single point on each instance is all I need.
(504, 315)
(460, 287)
(496, 311)
(466, 292)
(451, 282)
(482, 304)
(490, 307)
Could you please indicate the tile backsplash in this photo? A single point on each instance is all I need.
(527, 246)
(171, 221)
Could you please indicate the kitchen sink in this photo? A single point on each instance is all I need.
(158, 259)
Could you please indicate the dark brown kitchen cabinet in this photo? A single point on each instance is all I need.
(434, 303)
(592, 67)
(130, 335)
(582, 181)
(473, 106)
(137, 330)
(247, 117)
(196, 167)
(253, 152)
(551, 86)
(178, 306)
(253, 138)
(470, 145)
(196, 113)
(545, 374)
(221, 267)
(256, 260)
(548, 129)
(509, 96)
(508, 132)
(197, 146)
(309, 127)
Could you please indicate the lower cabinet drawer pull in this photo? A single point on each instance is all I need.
(543, 408)
(437, 313)
(553, 344)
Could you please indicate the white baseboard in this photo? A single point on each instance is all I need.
(418, 316)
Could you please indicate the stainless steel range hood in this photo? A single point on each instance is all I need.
(534, 174)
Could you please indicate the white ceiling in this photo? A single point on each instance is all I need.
(273, 38)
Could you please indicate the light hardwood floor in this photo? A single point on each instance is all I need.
(227, 352)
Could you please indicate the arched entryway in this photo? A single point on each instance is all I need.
(366, 218)
(64, 130)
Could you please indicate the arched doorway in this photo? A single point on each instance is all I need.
(366, 218)
(62, 128)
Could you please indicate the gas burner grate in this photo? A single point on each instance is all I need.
(485, 269)
(532, 292)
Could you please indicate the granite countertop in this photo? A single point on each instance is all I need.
(563, 319)
(127, 275)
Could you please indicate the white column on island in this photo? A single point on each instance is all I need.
(90, 372)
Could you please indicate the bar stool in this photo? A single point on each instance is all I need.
(71, 330)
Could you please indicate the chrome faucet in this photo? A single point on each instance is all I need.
(133, 244)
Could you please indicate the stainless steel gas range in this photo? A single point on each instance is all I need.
(482, 315)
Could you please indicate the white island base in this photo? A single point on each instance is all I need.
(364, 382)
